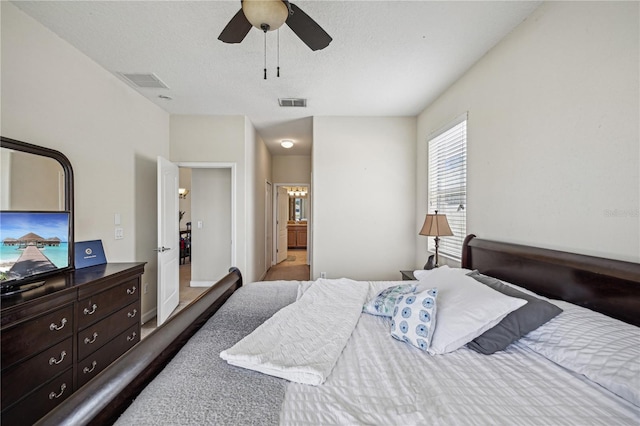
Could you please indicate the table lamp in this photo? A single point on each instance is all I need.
(435, 225)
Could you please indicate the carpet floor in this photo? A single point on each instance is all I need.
(293, 268)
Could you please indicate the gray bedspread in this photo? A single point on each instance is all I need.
(199, 388)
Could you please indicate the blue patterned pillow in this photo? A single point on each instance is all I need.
(414, 318)
(383, 303)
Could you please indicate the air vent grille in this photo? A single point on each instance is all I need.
(146, 81)
(292, 102)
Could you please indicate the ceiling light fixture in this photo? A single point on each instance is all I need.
(286, 143)
(268, 15)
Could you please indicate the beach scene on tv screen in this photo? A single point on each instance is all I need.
(32, 243)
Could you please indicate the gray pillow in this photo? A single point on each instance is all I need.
(516, 324)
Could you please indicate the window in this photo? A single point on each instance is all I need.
(448, 184)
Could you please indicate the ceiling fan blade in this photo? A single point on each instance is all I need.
(236, 30)
(307, 29)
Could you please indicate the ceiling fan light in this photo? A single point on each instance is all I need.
(286, 144)
(270, 12)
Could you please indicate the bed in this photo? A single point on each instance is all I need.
(579, 367)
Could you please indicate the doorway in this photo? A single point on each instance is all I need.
(208, 220)
(291, 232)
(191, 267)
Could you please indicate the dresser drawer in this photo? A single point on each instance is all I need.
(22, 378)
(95, 336)
(31, 337)
(99, 360)
(40, 402)
(101, 305)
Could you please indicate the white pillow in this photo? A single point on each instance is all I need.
(466, 309)
(414, 318)
(605, 350)
(424, 273)
(421, 274)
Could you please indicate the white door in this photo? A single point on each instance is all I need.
(283, 216)
(168, 240)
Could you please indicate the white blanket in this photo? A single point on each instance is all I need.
(303, 341)
(397, 384)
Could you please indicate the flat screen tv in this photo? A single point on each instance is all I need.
(34, 244)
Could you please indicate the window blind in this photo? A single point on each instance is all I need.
(448, 184)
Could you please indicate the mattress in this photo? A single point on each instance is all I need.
(376, 380)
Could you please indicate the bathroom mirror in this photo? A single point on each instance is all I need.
(298, 209)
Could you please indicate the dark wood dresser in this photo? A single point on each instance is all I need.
(57, 337)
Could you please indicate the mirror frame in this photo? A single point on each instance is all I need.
(68, 181)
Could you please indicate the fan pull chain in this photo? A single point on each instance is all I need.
(278, 74)
(265, 54)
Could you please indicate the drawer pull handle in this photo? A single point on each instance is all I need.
(53, 395)
(88, 370)
(131, 290)
(54, 327)
(132, 337)
(132, 314)
(88, 341)
(53, 361)
(92, 311)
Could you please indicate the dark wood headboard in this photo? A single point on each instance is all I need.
(611, 287)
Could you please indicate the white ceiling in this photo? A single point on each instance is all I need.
(387, 58)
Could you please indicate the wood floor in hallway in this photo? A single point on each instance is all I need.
(187, 295)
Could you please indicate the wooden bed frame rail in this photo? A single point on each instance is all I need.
(611, 287)
(105, 397)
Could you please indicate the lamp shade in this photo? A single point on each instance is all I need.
(436, 225)
(273, 13)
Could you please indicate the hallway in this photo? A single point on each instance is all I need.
(293, 268)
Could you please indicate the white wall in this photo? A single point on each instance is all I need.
(211, 189)
(291, 169)
(230, 139)
(206, 139)
(55, 96)
(260, 172)
(363, 196)
(553, 133)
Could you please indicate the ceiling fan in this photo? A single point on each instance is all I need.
(269, 15)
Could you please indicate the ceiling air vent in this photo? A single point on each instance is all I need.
(292, 102)
(146, 81)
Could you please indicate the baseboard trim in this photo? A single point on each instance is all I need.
(149, 315)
